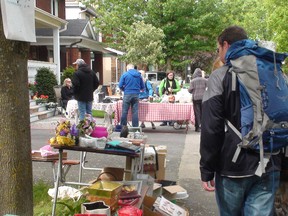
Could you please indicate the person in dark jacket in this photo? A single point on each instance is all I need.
(197, 88)
(131, 83)
(238, 187)
(85, 82)
(67, 92)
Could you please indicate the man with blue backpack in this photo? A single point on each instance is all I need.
(244, 126)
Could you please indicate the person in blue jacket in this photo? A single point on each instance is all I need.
(146, 94)
(131, 83)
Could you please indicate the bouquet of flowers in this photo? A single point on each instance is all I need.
(86, 126)
(66, 134)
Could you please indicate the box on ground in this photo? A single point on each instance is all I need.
(174, 192)
(161, 158)
(149, 210)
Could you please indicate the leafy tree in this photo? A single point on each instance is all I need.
(15, 141)
(277, 22)
(143, 45)
(114, 18)
(190, 27)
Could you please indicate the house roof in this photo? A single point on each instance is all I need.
(80, 32)
(44, 19)
(77, 27)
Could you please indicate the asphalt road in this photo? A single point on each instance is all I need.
(182, 163)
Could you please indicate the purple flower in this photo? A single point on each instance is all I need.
(74, 131)
(62, 133)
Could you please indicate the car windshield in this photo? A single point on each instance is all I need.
(161, 76)
(152, 77)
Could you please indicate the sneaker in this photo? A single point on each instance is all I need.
(153, 126)
(163, 124)
(171, 123)
(142, 125)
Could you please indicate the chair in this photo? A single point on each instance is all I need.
(57, 91)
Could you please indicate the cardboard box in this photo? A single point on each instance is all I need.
(174, 192)
(160, 173)
(106, 189)
(148, 207)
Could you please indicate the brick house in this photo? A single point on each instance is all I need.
(60, 41)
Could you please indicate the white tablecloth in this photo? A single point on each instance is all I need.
(72, 108)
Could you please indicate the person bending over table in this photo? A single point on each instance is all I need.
(146, 94)
(131, 83)
(169, 85)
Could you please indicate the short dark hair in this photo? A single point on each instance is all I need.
(232, 34)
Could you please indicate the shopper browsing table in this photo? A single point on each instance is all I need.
(131, 83)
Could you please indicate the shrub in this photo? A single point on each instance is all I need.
(46, 79)
(67, 73)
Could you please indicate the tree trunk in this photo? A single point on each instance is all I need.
(16, 191)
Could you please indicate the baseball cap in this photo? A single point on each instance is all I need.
(79, 62)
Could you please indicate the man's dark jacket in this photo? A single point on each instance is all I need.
(218, 142)
(85, 82)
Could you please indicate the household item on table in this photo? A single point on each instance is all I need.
(101, 96)
(124, 131)
(98, 207)
(88, 142)
(92, 142)
(99, 132)
(118, 128)
(137, 135)
(128, 146)
(171, 98)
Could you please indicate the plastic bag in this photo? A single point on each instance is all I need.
(66, 192)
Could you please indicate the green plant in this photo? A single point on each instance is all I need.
(43, 205)
(67, 73)
(45, 80)
(32, 87)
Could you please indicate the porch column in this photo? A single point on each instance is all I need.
(56, 53)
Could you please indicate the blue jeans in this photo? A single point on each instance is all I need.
(248, 196)
(133, 101)
(84, 108)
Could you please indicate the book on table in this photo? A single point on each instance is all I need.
(124, 145)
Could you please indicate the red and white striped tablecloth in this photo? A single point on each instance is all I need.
(155, 112)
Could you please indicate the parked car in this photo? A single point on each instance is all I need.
(155, 78)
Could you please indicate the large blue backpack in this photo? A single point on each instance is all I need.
(264, 99)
